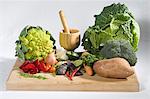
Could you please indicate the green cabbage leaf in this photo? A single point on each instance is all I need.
(115, 22)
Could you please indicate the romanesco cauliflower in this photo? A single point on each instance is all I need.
(34, 43)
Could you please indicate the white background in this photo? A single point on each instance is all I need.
(15, 15)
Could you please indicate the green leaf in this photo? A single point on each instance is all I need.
(89, 59)
(24, 32)
(78, 63)
(26, 75)
(24, 49)
(110, 12)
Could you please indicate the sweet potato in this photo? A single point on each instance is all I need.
(113, 68)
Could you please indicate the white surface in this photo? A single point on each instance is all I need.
(15, 14)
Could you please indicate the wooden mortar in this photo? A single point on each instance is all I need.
(70, 41)
(69, 38)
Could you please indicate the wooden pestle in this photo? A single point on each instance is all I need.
(64, 22)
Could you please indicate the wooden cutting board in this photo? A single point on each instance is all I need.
(61, 83)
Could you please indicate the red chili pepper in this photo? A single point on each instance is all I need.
(34, 67)
(74, 72)
(30, 68)
(41, 67)
(68, 75)
(24, 64)
(36, 63)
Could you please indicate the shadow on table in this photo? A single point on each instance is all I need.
(143, 54)
(6, 65)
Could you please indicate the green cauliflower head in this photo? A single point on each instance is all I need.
(34, 43)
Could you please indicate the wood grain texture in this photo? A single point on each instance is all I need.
(70, 41)
(80, 83)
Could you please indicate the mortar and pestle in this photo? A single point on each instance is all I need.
(69, 38)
